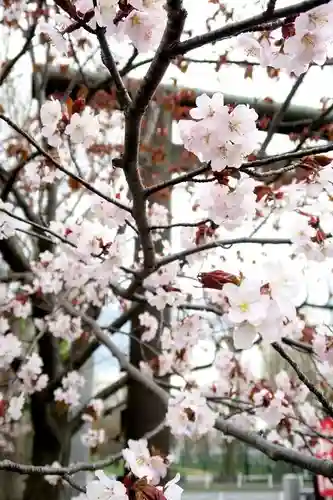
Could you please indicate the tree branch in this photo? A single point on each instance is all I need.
(246, 167)
(220, 243)
(109, 62)
(303, 378)
(59, 166)
(237, 28)
(278, 116)
(162, 59)
(103, 394)
(10, 466)
(7, 68)
(133, 118)
(274, 451)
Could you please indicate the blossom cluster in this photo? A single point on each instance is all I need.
(86, 266)
(142, 23)
(69, 392)
(81, 126)
(146, 472)
(93, 436)
(220, 135)
(305, 41)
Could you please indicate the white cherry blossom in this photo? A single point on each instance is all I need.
(246, 302)
(105, 488)
(83, 128)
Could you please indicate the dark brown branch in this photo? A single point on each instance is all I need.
(161, 61)
(109, 62)
(303, 378)
(133, 118)
(220, 243)
(246, 167)
(237, 28)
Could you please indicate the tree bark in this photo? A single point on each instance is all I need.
(144, 410)
(51, 442)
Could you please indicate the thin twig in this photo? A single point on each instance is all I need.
(109, 62)
(303, 378)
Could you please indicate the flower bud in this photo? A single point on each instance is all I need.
(216, 279)
(78, 105)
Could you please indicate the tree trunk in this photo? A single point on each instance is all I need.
(51, 442)
(51, 437)
(145, 411)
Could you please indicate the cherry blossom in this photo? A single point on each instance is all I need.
(142, 463)
(50, 114)
(223, 136)
(93, 437)
(150, 325)
(10, 348)
(226, 205)
(189, 415)
(207, 107)
(31, 374)
(308, 44)
(105, 488)
(143, 28)
(15, 407)
(172, 491)
(83, 128)
(69, 392)
(309, 47)
(318, 18)
(246, 302)
(222, 298)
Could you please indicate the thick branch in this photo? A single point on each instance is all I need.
(162, 59)
(173, 30)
